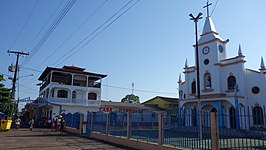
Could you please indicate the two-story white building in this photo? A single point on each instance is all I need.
(68, 90)
(218, 77)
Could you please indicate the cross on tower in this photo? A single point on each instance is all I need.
(207, 6)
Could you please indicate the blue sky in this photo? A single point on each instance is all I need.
(146, 46)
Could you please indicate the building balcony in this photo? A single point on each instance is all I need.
(56, 84)
(81, 102)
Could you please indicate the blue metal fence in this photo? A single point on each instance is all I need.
(76, 120)
(68, 120)
(251, 132)
(117, 124)
(144, 126)
(181, 129)
(99, 122)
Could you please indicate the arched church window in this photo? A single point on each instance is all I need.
(231, 82)
(207, 81)
(74, 95)
(62, 94)
(193, 87)
(257, 115)
(92, 96)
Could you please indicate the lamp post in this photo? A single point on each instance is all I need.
(196, 19)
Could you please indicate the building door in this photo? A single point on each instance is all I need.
(194, 117)
(232, 117)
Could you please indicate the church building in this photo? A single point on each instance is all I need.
(226, 86)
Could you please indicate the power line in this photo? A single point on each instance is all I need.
(4, 74)
(51, 29)
(96, 31)
(44, 25)
(30, 69)
(28, 87)
(214, 7)
(67, 39)
(24, 25)
(61, 16)
(211, 13)
(145, 91)
(81, 25)
(28, 92)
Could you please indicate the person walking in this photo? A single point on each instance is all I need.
(31, 122)
(53, 124)
(62, 125)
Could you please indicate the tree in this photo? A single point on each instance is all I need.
(6, 106)
(130, 98)
(5, 93)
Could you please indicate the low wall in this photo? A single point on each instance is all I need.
(132, 142)
(72, 130)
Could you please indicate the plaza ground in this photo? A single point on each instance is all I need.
(45, 139)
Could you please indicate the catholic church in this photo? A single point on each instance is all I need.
(226, 86)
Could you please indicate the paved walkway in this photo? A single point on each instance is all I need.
(45, 139)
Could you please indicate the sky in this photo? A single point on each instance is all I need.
(147, 45)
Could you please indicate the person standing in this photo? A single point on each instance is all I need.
(17, 122)
(31, 122)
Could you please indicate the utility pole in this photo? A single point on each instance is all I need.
(132, 88)
(196, 19)
(16, 70)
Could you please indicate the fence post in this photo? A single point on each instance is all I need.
(128, 125)
(89, 124)
(160, 129)
(81, 123)
(214, 132)
(107, 124)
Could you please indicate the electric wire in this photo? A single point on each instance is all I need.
(210, 15)
(28, 87)
(73, 33)
(50, 30)
(97, 34)
(18, 35)
(214, 7)
(23, 67)
(44, 25)
(66, 39)
(4, 74)
(28, 92)
(145, 91)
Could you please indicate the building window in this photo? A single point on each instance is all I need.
(193, 87)
(92, 96)
(74, 95)
(80, 80)
(255, 90)
(62, 78)
(207, 81)
(52, 92)
(62, 94)
(231, 82)
(257, 116)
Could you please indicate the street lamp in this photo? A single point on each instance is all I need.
(196, 19)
